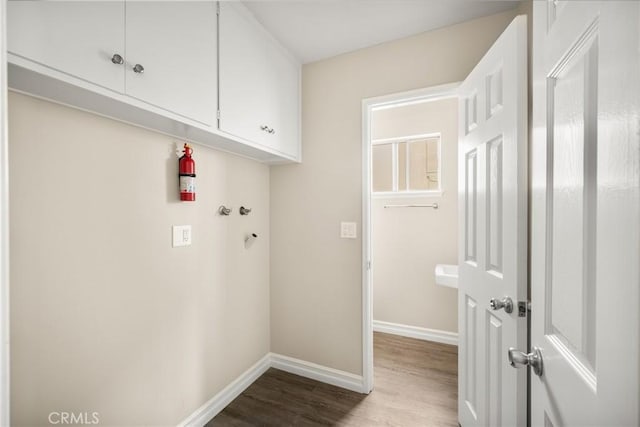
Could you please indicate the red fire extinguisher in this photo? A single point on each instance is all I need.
(187, 173)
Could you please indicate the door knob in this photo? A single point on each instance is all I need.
(268, 129)
(506, 303)
(518, 359)
(138, 69)
(117, 59)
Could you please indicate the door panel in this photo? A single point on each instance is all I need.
(586, 213)
(571, 282)
(494, 206)
(495, 364)
(471, 205)
(471, 360)
(493, 238)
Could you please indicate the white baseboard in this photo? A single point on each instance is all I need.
(318, 372)
(417, 332)
(217, 403)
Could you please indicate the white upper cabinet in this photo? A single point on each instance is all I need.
(259, 84)
(173, 46)
(76, 38)
(156, 64)
(168, 58)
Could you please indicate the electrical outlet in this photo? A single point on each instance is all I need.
(348, 230)
(181, 235)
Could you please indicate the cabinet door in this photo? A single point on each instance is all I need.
(76, 38)
(283, 100)
(174, 42)
(259, 84)
(243, 81)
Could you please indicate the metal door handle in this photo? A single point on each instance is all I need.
(117, 59)
(138, 69)
(506, 303)
(518, 359)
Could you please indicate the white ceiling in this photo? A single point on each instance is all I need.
(318, 29)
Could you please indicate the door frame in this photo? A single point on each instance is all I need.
(433, 93)
(4, 225)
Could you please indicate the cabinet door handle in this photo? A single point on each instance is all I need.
(117, 59)
(138, 69)
(268, 129)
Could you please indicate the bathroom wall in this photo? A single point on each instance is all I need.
(106, 316)
(316, 280)
(407, 243)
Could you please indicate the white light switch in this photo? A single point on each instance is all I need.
(181, 235)
(348, 230)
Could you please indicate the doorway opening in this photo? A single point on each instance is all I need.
(410, 217)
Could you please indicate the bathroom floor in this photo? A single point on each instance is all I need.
(415, 385)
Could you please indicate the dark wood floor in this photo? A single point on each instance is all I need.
(415, 385)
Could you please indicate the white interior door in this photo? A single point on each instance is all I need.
(586, 213)
(493, 233)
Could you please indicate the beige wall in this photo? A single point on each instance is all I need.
(105, 315)
(407, 243)
(316, 276)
